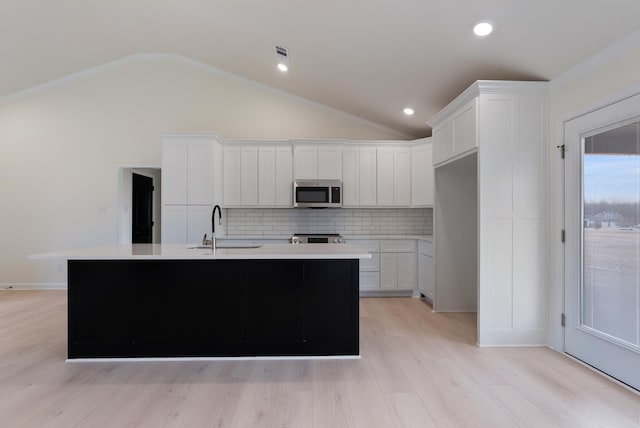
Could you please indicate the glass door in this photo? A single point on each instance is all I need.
(602, 250)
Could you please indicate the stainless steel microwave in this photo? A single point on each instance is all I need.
(317, 194)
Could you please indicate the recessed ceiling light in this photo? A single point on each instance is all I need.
(483, 29)
(408, 111)
(282, 66)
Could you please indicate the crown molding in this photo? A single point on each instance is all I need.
(612, 52)
(488, 87)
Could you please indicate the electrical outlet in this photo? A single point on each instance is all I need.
(60, 267)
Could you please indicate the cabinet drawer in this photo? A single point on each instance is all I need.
(397, 246)
(372, 264)
(370, 246)
(425, 247)
(369, 281)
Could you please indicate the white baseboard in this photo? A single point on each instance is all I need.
(27, 286)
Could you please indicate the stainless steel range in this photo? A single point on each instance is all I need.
(317, 238)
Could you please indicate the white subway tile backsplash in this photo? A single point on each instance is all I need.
(241, 221)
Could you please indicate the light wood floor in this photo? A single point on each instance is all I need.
(418, 369)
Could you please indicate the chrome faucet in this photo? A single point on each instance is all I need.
(213, 225)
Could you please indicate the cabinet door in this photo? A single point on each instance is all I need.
(329, 162)
(429, 278)
(406, 271)
(464, 128)
(231, 173)
(198, 223)
(442, 143)
(200, 173)
(401, 176)
(305, 162)
(249, 176)
(350, 176)
(284, 177)
(174, 224)
(421, 176)
(267, 176)
(385, 176)
(422, 274)
(174, 172)
(388, 271)
(367, 176)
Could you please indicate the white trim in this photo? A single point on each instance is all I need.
(603, 102)
(33, 286)
(188, 359)
(487, 87)
(612, 52)
(140, 57)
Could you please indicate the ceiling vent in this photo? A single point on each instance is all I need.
(282, 52)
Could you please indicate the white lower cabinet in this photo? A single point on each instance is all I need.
(392, 266)
(389, 271)
(398, 265)
(426, 280)
(185, 224)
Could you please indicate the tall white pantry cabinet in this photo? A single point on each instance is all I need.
(187, 187)
(489, 154)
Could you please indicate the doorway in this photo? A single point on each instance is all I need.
(134, 206)
(142, 209)
(602, 249)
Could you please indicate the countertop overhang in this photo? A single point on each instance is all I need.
(183, 252)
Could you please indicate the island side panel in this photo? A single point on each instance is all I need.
(332, 307)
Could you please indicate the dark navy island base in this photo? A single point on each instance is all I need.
(212, 308)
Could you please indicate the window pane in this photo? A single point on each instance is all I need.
(611, 233)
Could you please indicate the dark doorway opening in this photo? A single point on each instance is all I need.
(142, 209)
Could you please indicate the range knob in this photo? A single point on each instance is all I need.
(295, 240)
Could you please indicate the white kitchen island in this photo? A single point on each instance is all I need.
(146, 301)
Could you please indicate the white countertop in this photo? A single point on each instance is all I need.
(347, 237)
(183, 252)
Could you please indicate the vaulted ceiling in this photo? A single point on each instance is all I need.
(369, 58)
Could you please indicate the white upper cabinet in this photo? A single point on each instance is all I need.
(359, 171)
(317, 161)
(284, 176)
(249, 176)
(257, 175)
(401, 176)
(200, 173)
(422, 175)
(367, 176)
(393, 176)
(231, 175)
(275, 178)
(384, 176)
(305, 161)
(187, 171)
(329, 162)
(267, 175)
(174, 172)
(456, 136)
(351, 176)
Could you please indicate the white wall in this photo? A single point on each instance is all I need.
(594, 88)
(60, 147)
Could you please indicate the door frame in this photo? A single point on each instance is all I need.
(607, 354)
(124, 194)
(557, 213)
